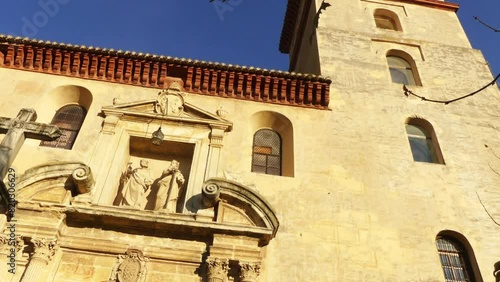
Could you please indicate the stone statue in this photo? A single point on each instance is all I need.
(169, 188)
(137, 186)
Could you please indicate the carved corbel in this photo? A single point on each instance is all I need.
(217, 135)
(249, 271)
(130, 267)
(110, 124)
(217, 269)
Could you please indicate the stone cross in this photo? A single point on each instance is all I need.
(16, 131)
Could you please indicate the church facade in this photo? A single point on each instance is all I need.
(359, 164)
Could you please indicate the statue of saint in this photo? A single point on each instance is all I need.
(137, 186)
(169, 188)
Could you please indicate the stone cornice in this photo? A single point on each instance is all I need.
(155, 223)
(146, 70)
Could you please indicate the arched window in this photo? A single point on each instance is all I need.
(266, 156)
(386, 19)
(401, 70)
(69, 119)
(423, 141)
(454, 260)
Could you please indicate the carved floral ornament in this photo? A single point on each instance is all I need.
(249, 271)
(45, 249)
(6, 243)
(217, 269)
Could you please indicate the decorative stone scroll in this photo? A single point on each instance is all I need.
(44, 250)
(130, 267)
(217, 269)
(249, 271)
(83, 179)
(210, 195)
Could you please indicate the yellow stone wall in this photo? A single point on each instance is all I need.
(358, 208)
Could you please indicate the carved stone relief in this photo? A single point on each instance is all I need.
(217, 269)
(138, 183)
(249, 271)
(130, 267)
(169, 103)
(8, 243)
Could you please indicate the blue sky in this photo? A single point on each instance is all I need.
(243, 32)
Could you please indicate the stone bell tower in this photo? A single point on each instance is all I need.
(416, 157)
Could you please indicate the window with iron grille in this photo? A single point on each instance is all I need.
(454, 260)
(266, 156)
(69, 119)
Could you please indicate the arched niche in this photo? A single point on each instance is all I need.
(61, 96)
(283, 126)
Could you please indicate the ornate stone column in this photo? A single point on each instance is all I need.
(44, 250)
(249, 271)
(217, 269)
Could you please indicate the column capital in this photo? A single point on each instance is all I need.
(249, 271)
(7, 243)
(44, 248)
(217, 269)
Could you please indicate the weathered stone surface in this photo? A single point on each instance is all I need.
(352, 204)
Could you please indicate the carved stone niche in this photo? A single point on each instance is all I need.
(130, 267)
(57, 183)
(155, 177)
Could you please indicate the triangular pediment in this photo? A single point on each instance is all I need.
(170, 105)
